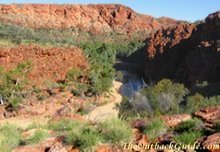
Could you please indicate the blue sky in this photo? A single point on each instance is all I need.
(189, 10)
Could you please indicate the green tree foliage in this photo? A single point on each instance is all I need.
(197, 102)
(194, 103)
(125, 50)
(137, 106)
(101, 73)
(166, 96)
(13, 83)
(155, 128)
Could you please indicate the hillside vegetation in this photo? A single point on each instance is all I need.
(60, 72)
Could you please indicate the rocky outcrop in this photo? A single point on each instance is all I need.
(167, 38)
(186, 53)
(175, 120)
(210, 114)
(212, 143)
(96, 19)
(48, 64)
(58, 147)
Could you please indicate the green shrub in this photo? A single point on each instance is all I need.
(125, 50)
(115, 131)
(194, 103)
(37, 137)
(165, 97)
(188, 137)
(212, 101)
(101, 73)
(125, 108)
(79, 134)
(197, 102)
(84, 138)
(74, 74)
(189, 126)
(217, 126)
(99, 77)
(155, 129)
(81, 88)
(175, 92)
(13, 83)
(75, 92)
(10, 137)
(15, 101)
(137, 106)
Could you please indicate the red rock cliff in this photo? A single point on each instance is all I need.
(96, 19)
(186, 53)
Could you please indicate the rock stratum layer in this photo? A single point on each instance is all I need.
(96, 19)
(186, 53)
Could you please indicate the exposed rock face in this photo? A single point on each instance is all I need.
(186, 53)
(167, 38)
(211, 114)
(212, 142)
(51, 64)
(96, 19)
(58, 147)
(175, 120)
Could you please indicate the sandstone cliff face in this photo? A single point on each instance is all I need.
(97, 19)
(186, 53)
(165, 39)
